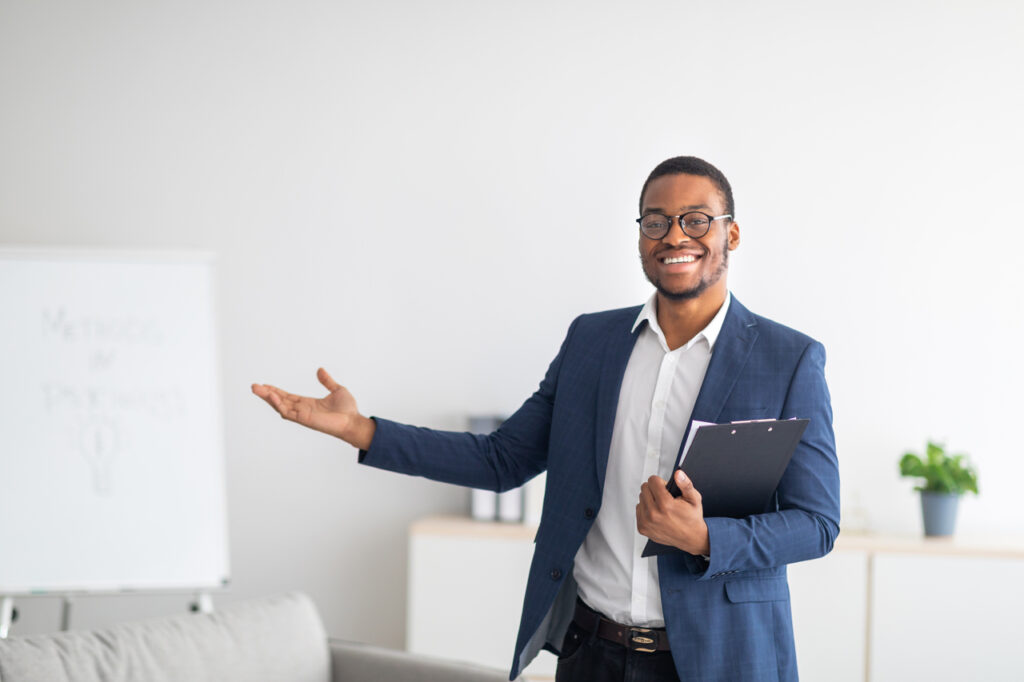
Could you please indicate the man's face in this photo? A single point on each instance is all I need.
(695, 266)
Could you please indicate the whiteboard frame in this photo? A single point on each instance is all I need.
(89, 254)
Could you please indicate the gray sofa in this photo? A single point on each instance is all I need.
(275, 639)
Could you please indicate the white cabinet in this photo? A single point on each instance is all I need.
(830, 611)
(466, 585)
(947, 618)
(877, 608)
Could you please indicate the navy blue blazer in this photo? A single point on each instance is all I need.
(727, 618)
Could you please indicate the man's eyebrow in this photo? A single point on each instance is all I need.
(684, 209)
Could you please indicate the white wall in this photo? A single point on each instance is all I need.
(421, 196)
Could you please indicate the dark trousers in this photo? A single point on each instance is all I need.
(589, 658)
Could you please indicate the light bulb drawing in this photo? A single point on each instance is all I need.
(98, 445)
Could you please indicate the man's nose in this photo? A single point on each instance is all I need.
(675, 234)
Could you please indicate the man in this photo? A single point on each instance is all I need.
(607, 423)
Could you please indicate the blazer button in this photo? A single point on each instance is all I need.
(589, 513)
(556, 574)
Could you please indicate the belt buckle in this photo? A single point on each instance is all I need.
(643, 639)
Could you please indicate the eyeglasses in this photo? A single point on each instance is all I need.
(694, 224)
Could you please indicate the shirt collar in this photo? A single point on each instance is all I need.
(649, 313)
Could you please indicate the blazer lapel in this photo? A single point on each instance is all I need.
(732, 349)
(613, 367)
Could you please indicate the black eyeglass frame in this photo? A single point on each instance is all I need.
(682, 223)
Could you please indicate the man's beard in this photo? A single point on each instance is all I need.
(703, 285)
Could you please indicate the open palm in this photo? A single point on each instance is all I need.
(333, 414)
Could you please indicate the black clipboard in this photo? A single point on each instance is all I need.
(737, 467)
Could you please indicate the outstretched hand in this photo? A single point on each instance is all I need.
(674, 521)
(335, 414)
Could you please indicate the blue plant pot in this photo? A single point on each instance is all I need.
(939, 512)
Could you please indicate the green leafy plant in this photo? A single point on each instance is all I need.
(942, 473)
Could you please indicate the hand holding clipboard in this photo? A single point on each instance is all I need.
(736, 467)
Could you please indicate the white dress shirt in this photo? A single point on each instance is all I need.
(658, 392)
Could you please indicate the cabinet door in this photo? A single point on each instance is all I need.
(829, 597)
(466, 598)
(947, 618)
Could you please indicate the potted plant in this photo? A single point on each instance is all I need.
(946, 478)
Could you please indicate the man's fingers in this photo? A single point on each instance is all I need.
(686, 489)
(647, 496)
(266, 392)
(655, 494)
(325, 379)
(659, 493)
(275, 397)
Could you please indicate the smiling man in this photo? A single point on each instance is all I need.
(607, 423)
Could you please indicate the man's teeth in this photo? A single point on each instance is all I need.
(680, 259)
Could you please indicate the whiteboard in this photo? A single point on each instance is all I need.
(111, 448)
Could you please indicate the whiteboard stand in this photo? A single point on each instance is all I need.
(65, 613)
(203, 603)
(6, 616)
(122, 416)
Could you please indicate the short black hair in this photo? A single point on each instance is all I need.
(691, 165)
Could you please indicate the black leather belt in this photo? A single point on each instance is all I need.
(647, 640)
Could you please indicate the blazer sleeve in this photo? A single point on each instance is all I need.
(516, 452)
(806, 522)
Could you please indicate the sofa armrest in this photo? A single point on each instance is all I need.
(353, 662)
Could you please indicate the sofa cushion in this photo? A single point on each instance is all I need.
(270, 639)
(356, 662)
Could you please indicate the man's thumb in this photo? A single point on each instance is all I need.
(685, 485)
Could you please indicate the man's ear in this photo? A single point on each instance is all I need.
(734, 235)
